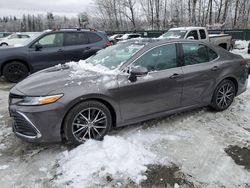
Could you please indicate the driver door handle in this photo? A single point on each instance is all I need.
(175, 75)
(215, 68)
(60, 50)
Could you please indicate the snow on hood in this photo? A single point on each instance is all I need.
(94, 161)
(82, 68)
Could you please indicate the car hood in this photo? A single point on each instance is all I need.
(10, 48)
(49, 80)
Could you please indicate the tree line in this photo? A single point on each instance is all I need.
(121, 15)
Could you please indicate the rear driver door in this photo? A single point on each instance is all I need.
(201, 69)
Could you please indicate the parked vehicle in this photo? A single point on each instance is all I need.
(127, 83)
(4, 34)
(48, 49)
(200, 33)
(129, 36)
(14, 39)
(113, 38)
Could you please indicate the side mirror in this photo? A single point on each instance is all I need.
(137, 71)
(38, 47)
(191, 37)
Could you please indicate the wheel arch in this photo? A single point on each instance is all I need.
(233, 79)
(223, 45)
(19, 60)
(99, 99)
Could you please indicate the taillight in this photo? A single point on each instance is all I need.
(109, 44)
(244, 62)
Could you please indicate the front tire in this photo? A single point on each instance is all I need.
(4, 44)
(15, 71)
(87, 120)
(223, 95)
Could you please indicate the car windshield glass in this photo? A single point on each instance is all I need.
(113, 57)
(175, 34)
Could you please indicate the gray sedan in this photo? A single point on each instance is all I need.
(127, 83)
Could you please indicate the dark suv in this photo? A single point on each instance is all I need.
(48, 49)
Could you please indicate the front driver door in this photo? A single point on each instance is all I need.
(51, 52)
(156, 92)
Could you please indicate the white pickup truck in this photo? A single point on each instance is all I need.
(199, 33)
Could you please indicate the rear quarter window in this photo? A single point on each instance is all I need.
(75, 38)
(93, 37)
(211, 54)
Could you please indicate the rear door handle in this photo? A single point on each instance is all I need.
(215, 68)
(87, 48)
(175, 75)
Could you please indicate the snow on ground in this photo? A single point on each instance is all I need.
(115, 156)
(241, 48)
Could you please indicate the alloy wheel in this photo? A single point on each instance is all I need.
(90, 123)
(225, 96)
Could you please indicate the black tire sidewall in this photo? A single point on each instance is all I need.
(11, 79)
(214, 103)
(67, 125)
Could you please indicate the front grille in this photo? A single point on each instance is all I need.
(21, 125)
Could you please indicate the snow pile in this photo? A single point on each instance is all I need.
(241, 44)
(115, 157)
(241, 48)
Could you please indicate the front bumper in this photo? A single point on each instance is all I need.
(37, 124)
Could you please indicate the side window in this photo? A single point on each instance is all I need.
(211, 54)
(13, 37)
(195, 53)
(94, 37)
(51, 40)
(193, 34)
(24, 36)
(160, 58)
(202, 33)
(75, 39)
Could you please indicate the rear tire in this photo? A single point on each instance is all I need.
(15, 71)
(223, 95)
(87, 120)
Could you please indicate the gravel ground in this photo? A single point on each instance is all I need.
(197, 148)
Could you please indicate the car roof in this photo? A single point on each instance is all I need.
(185, 28)
(150, 42)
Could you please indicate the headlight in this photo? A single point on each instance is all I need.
(32, 101)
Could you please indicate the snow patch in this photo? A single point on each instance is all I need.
(82, 68)
(3, 167)
(116, 157)
(241, 48)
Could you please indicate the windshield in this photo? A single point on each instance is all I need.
(34, 36)
(174, 34)
(113, 57)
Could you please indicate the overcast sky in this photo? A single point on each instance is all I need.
(60, 7)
